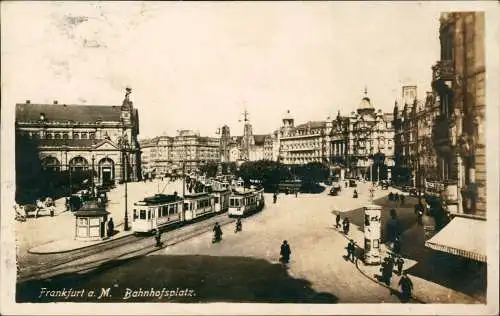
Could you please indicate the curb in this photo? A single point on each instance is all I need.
(393, 290)
(79, 248)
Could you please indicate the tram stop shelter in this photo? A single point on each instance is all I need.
(90, 222)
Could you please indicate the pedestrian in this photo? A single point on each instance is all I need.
(391, 196)
(396, 196)
(337, 220)
(66, 204)
(285, 252)
(397, 245)
(275, 197)
(296, 193)
(345, 225)
(351, 248)
(111, 227)
(400, 263)
(419, 211)
(39, 207)
(387, 267)
(402, 199)
(406, 287)
(158, 238)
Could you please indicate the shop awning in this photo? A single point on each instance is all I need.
(465, 237)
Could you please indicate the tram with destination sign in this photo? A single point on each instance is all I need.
(245, 201)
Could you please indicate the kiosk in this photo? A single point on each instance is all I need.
(372, 229)
(90, 222)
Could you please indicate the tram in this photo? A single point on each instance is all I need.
(157, 212)
(246, 201)
(221, 200)
(197, 205)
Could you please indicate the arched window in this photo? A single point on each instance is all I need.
(57, 136)
(51, 164)
(65, 136)
(78, 163)
(76, 135)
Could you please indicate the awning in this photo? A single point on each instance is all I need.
(465, 237)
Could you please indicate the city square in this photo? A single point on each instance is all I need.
(271, 167)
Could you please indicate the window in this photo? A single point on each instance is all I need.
(142, 214)
(76, 136)
(49, 135)
(92, 135)
(65, 136)
(135, 214)
(84, 135)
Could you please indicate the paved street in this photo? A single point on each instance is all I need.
(244, 266)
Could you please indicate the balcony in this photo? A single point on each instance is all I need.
(443, 70)
(441, 131)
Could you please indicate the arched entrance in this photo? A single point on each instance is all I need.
(78, 164)
(106, 171)
(51, 164)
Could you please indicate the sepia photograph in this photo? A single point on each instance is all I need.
(249, 157)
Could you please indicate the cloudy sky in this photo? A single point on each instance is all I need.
(199, 65)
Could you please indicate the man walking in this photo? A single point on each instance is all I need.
(406, 287)
(285, 252)
(351, 248)
(400, 263)
(337, 220)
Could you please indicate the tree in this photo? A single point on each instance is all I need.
(28, 169)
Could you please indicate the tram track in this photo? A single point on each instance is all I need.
(79, 261)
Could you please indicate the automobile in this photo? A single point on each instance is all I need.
(413, 191)
(352, 183)
(405, 188)
(336, 188)
(385, 185)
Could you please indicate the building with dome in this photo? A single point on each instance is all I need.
(363, 142)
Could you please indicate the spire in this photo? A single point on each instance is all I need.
(126, 100)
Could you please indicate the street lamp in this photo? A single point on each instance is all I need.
(125, 148)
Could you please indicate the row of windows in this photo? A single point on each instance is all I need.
(60, 135)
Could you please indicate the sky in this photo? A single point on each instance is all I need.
(200, 65)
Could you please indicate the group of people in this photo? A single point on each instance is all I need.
(397, 197)
(22, 211)
(345, 223)
(405, 282)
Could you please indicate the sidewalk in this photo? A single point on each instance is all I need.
(47, 234)
(424, 291)
(67, 245)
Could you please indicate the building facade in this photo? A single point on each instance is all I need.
(84, 137)
(156, 155)
(304, 143)
(458, 80)
(189, 150)
(370, 142)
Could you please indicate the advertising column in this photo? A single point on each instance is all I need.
(372, 229)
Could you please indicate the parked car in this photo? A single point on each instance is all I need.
(385, 185)
(336, 188)
(413, 191)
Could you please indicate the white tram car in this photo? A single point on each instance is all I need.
(198, 204)
(221, 200)
(245, 201)
(157, 212)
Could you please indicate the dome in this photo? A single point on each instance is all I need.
(287, 116)
(365, 103)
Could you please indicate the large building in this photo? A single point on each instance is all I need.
(369, 148)
(459, 134)
(187, 150)
(84, 137)
(406, 135)
(304, 143)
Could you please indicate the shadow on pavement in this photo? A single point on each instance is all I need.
(205, 278)
(459, 274)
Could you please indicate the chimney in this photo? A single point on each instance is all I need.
(55, 102)
(28, 101)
